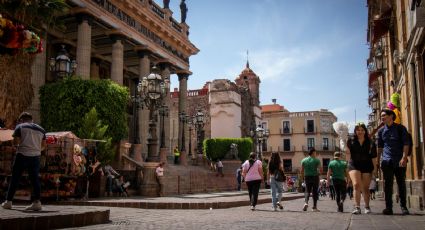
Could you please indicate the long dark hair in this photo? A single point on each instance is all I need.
(366, 135)
(252, 158)
(274, 162)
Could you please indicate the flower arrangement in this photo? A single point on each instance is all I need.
(15, 37)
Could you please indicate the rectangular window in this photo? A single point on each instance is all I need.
(325, 143)
(287, 165)
(310, 143)
(264, 146)
(310, 126)
(325, 162)
(286, 127)
(286, 144)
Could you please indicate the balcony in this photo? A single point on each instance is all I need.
(320, 148)
(287, 149)
(310, 130)
(286, 131)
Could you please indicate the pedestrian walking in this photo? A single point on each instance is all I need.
(159, 173)
(361, 157)
(277, 177)
(372, 188)
(29, 139)
(310, 167)
(393, 147)
(252, 171)
(219, 166)
(337, 169)
(239, 177)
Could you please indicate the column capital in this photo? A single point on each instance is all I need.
(164, 63)
(142, 51)
(81, 17)
(183, 74)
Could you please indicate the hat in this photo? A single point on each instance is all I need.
(337, 155)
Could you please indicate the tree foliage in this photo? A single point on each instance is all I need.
(64, 104)
(217, 148)
(93, 128)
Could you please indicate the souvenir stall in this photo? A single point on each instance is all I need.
(65, 167)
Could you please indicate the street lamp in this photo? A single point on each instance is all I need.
(163, 112)
(199, 125)
(183, 120)
(152, 89)
(190, 124)
(62, 66)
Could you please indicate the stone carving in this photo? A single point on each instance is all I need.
(183, 9)
(166, 4)
(232, 153)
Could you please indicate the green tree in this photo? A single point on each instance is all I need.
(92, 128)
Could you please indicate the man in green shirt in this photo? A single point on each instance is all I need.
(338, 169)
(310, 168)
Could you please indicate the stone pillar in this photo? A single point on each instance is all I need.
(117, 68)
(149, 185)
(38, 79)
(94, 69)
(183, 77)
(144, 70)
(167, 120)
(83, 46)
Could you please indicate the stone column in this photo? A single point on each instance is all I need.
(183, 77)
(166, 152)
(117, 68)
(38, 79)
(83, 46)
(149, 185)
(144, 70)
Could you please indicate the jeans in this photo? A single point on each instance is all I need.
(276, 190)
(32, 165)
(400, 176)
(340, 190)
(312, 186)
(253, 190)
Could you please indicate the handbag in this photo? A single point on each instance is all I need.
(279, 175)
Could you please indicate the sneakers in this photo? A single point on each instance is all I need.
(404, 211)
(315, 210)
(35, 206)
(274, 209)
(7, 204)
(356, 211)
(367, 210)
(305, 207)
(252, 208)
(387, 211)
(341, 207)
(279, 205)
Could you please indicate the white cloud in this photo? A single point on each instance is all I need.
(278, 64)
(341, 110)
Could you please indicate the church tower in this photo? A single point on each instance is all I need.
(247, 78)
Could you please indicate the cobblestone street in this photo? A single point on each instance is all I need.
(263, 218)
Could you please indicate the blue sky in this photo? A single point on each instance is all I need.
(309, 54)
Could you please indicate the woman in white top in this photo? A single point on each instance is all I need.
(252, 171)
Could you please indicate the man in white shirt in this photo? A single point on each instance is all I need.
(159, 172)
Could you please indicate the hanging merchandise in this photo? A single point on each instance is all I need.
(394, 105)
(15, 37)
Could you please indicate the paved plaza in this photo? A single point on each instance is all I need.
(291, 217)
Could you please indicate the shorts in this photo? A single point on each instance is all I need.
(363, 167)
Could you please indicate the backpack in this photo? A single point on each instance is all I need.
(400, 128)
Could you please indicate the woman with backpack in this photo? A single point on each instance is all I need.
(252, 171)
(361, 158)
(276, 175)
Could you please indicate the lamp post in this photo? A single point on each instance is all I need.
(190, 124)
(62, 66)
(199, 125)
(163, 112)
(183, 120)
(152, 89)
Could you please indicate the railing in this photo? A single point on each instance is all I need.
(175, 25)
(286, 131)
(287, 149)
(310, 130)
(320, 148)
(157, 10)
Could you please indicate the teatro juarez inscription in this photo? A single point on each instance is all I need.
(121, 15)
